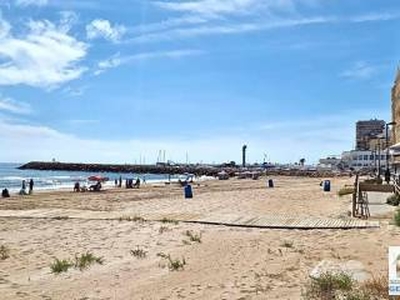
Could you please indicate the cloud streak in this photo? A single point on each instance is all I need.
(118, 60)
(359, 71)
(12, 106)
(31, 2)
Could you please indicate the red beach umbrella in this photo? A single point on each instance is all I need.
(97, 178)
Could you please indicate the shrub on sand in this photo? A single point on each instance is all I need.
(397, 217)
(393, 200)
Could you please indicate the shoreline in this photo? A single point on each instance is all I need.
(109, 185)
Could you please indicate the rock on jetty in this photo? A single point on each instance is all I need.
(114, 168)
(160, 168)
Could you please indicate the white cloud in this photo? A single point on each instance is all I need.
(117, 60)
(103, 28)
(226, 28)
(218, 17)
(31, 2)
(209, 7)
(185, 20)
(10, 105)
(373, 17)
(47, 55)
(360, 70)
(220, 8)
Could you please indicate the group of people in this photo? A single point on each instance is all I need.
(128, 182)
(6, 194)
(130, 185)
(23, 187)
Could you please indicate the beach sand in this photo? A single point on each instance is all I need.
(229, 263)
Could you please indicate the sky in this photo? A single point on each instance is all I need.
(118, 81)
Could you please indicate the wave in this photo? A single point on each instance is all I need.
(10, 178)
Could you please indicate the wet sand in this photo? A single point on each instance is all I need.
(229, 263)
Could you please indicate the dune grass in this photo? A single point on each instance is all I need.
(80, 262)
(4, 252)
(332, 286)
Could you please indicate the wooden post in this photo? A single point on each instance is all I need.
(354, 202)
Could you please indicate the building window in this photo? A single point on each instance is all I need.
(371, 157)
(365, 157)
(360, 157)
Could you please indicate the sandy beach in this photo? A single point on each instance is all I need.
(228, 263)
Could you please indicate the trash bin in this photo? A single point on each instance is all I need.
(327, 186)
(188, 191)
(270, 183)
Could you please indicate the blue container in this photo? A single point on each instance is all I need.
(270, 183)
(327, 186)
(188, 191)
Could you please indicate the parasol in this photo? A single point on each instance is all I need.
(97, 178)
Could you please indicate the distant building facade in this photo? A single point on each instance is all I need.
(357, 159)
(366, 131)
(396, 109)
(329, 163)
(395, 134)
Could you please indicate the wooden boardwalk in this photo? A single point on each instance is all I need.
(272, 221)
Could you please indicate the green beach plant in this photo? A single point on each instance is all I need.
(59, 266)
(81, 262)
(328, 286)
(193, 237)
(138, 252)
(132, 219)
(87, 259)
(287, 244)
(393, 200)
(4, 252)
(167, 220)
(345, 191)
(397, 217)
(173, 264)
(163, 229)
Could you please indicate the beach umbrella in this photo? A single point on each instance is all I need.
(97, 178)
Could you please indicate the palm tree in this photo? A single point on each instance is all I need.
(302, 161)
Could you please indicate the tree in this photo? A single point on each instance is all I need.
(302, 161)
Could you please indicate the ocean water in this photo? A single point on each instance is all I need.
(11, 178)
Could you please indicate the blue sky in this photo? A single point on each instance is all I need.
(117, 81)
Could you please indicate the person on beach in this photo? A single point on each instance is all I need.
(23, 185)
(137, 183)
(387, 176)
(5, 193)
(31, 183)
(115, 182)
(77, 187)
(120, 181)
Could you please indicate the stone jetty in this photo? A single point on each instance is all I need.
(197, 170)
(117, 168)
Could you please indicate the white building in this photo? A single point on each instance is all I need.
(329, 163)
(364, 159)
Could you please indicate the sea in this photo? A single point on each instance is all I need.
(11, 178)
